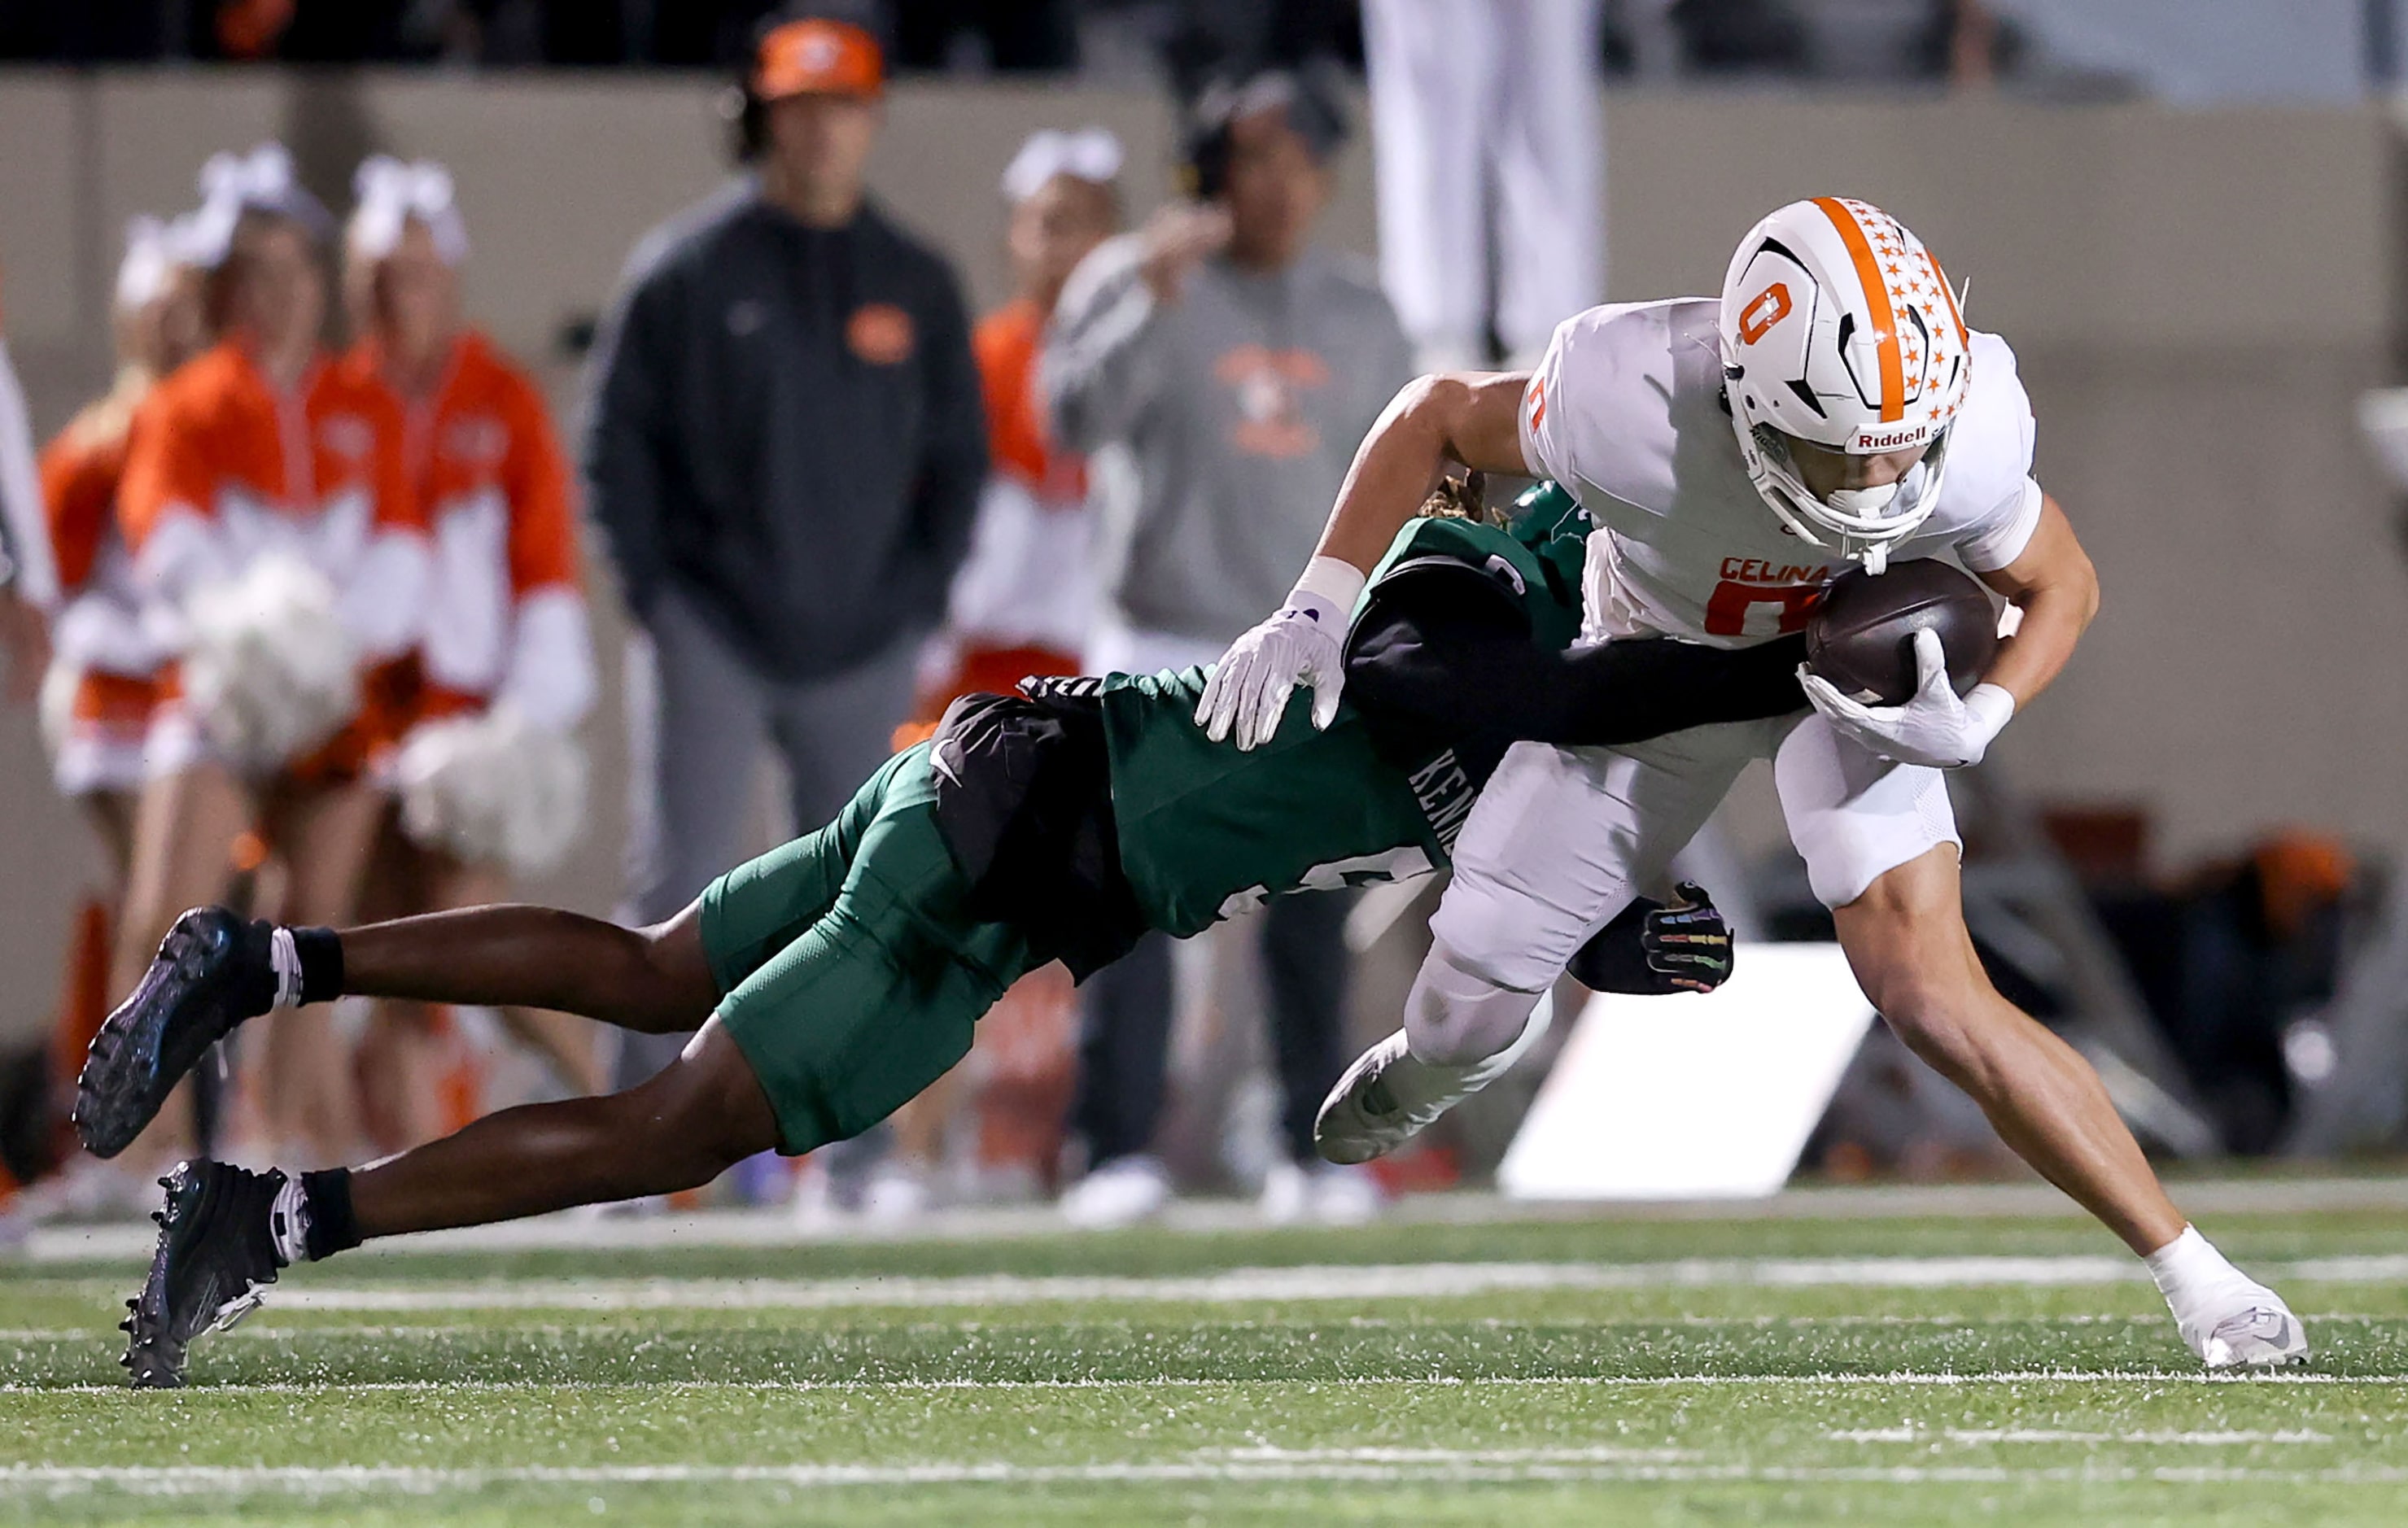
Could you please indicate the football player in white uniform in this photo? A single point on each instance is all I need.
(1832, 407)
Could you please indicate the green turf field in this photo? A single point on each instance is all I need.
(1588, 1370)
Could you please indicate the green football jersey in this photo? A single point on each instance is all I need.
(1206, 830)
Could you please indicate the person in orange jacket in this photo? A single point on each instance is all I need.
(274, 534)
(109, 668)
(490, 776)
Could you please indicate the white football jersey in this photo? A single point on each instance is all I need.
(1626, 411)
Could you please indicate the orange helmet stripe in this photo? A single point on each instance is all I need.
(1893, 371)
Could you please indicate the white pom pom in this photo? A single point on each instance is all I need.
(57, 707)
(268, 668)
(493, 788)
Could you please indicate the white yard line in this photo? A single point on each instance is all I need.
(1973, 1436)
(581, 1231)
(1375, 1466)
(1825, 1380)
(1371, 1281)
(266, 1324)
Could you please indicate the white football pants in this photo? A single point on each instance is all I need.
(1562, 838)
(1481, 108)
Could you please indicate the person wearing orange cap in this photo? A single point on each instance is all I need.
(786, 447)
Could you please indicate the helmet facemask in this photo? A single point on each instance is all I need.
(1860, 524)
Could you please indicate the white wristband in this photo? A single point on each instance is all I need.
(1992, 707)
(1331, 579)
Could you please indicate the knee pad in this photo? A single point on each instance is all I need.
(1456, 1016)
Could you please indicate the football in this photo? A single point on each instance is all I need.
(1861, 635)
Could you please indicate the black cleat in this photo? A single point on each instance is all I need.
(216, 1256)
(211, 973)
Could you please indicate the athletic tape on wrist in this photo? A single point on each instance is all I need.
(1333, 580)
(1994, 707)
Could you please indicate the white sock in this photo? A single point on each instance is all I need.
(288, 1221)
(284, 958)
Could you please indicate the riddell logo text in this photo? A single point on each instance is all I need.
(1890, 442)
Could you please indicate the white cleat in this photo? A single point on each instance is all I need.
(897, 1195)
(2253, 1330)
(1389, 1096)
(1346, 1195)
(1286, 1198)
(1120, 1192)
(1324, 1194)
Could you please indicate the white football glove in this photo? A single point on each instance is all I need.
(1935, 727)
(1304, 644)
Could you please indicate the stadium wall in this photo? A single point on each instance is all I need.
(2197, 298)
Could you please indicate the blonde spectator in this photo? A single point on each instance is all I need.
(109, 668)
(490, 776)
(274, 537)
(108, 665)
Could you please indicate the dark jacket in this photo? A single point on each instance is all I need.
(784, 427)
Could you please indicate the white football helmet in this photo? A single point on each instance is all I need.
(1837, 328)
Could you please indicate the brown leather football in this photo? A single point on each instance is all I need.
(1861, 635)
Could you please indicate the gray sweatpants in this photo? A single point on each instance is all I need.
(700, 718)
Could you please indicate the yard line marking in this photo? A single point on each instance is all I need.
(1824, 1380)
(1306, 1282)
(1428, 1466)
(2373, 1268)
(268, 1327)
(1976, 1435)
(1601, 1454)
(583, 1232)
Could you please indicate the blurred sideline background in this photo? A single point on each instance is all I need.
(2186, 217)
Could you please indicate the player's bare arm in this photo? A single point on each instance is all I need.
(1458, 418)
(1463, 419)
(2053, 583)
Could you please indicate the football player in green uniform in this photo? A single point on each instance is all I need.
(836, 976)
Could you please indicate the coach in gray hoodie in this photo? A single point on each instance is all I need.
(785, 446)
(1236, 365)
